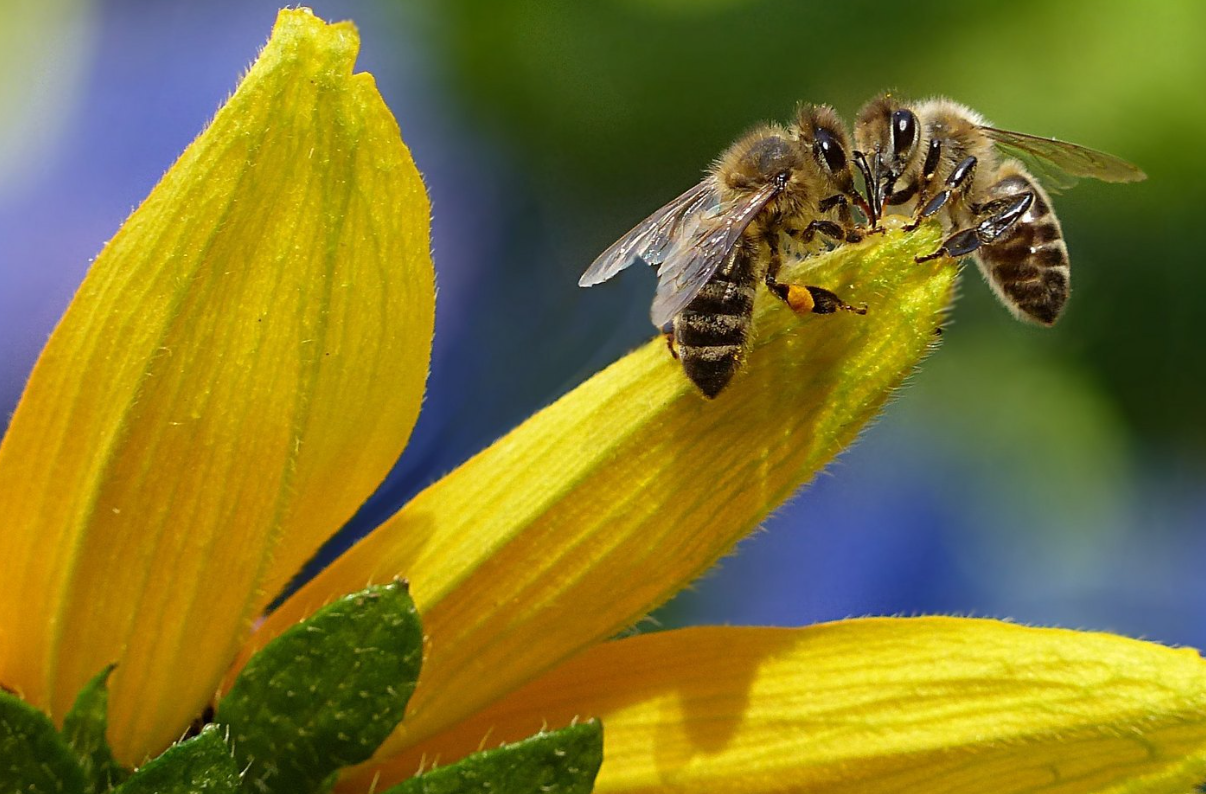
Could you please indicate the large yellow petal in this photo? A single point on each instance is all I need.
(239, 370)
(603, 505)
(863, 706)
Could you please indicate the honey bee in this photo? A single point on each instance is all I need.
(713, 243)
(941, 158)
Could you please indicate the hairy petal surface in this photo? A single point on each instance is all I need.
(865, 706)
(238, 371)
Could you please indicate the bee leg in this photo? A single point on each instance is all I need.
(995, 219)
(828, 228)
(959, 180)
(826, 302)
(795, 297)
(836, 200)
(668, 335)
(854, 232)
(933, 157)
(904, 195)
(804, 299)
(845, 219)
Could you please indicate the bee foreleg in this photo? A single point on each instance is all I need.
(959, 180)
(830, 229)
(836, 200)
(996, 218)
(845, 218)
(933, 157)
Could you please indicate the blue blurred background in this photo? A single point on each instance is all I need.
(1050, 476)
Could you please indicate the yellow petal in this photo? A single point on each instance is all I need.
(864, 706)
(239, 370)
(603, 505)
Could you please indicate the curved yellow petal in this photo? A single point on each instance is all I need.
(863, 706)
(603, 505)
(239, 370)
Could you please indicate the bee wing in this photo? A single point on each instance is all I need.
(692, 259)
(1060, 159)
(650, 238)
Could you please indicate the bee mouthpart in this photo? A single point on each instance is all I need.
(873, 205)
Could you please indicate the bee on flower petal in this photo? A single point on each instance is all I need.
(939, 158)
(712, 245)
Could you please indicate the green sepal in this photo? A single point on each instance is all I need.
(325, 693)
(200, 764)
(558, 762)
(34, 759)
(84, 730)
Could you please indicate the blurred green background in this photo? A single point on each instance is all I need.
(1053, 476)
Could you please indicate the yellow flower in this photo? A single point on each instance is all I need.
(245, 361)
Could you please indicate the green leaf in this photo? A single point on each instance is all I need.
(325, 693)
(558, 762)
(34, 759)
(201, 764)
(84, 729)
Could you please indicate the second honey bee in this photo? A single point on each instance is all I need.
(715, 242)
(939, 158)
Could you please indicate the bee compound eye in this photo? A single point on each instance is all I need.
(830, 151)
(904, 132)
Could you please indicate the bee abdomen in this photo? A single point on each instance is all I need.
(713, 330)
(1028, 266)
(711, 368)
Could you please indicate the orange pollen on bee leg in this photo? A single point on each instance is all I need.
(799, 299)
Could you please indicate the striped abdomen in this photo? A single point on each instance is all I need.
(1027, 266)
(712, 332)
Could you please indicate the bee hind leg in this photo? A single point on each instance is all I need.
(995, 219)
(668, 335)
(804, 299)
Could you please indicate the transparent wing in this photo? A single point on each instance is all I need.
(1069, 159)
(649, 239)
(692, 259)
(1050, 176)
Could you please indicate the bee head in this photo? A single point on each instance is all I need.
(889, 135)
(823, 137)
